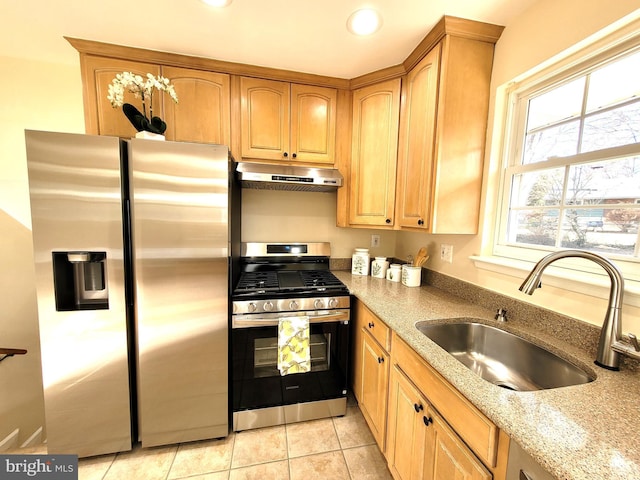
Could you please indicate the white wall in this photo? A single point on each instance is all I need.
(283, 216)
(548, 28)
(36, 96)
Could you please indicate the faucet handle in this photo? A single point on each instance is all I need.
(634, 341)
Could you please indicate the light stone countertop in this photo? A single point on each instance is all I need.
(584, 432)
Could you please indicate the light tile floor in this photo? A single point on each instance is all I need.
(328, 449)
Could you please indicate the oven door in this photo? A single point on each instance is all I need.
(257, 382)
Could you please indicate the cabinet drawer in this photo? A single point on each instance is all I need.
(372, 324)
(478, 432)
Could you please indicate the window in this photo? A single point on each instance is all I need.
(572, 166)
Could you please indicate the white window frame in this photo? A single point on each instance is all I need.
(574, 274)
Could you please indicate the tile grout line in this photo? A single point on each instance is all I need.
(346, 464)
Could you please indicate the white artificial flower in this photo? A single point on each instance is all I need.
(141, 88)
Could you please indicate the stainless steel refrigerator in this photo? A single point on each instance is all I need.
(133, 246)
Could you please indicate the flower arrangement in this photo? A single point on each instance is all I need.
(143, 89)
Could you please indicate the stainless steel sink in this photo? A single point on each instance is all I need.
(503, 358)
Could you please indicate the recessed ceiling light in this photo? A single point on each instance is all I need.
(217, 3)
(364, 22)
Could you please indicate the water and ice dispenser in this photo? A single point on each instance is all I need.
(80, 280)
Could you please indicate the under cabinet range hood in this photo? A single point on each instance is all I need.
(288, 177)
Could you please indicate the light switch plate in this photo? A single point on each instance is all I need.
(375, 240)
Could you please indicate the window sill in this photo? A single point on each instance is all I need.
(585, 283)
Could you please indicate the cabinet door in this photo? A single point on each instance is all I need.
(313, 124)
(100, 117)
(376, 111)
(264, 116)
(449, 457)
(375, 384)
(407, 431)
(202, 113)
(416, 150)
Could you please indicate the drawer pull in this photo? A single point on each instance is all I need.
(380, 359)
(427, 421)
(417, 407)
(371, 325)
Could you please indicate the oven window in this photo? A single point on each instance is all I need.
(265, 354)
(257, 382)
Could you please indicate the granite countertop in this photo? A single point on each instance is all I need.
(580, 432)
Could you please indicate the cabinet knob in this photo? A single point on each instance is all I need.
(420, 222)
(294, 155)
(370, 324)
(285, 154)
(388, 220)
(427, 420)
(380, 359)
(417, 407)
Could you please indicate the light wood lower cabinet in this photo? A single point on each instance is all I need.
(421, 445)
(434, 432)
(371, 370)
(408, 433)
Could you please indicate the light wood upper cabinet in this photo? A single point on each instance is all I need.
(202, 113)
(287, 122)
(100, 117)
(313, 123)
(416, 147)
(443, 129)
(265, 118)
(372, 178)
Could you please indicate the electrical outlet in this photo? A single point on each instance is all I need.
(375, 240)
(446, 252)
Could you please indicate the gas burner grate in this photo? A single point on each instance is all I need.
(319, 278)
(254, 281)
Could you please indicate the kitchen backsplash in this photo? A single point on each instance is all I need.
(574, 332)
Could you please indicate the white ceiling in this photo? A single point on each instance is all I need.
(301, 35)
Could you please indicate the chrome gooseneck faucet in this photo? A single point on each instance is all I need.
(611, 344)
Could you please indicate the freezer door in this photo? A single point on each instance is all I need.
(180, 210)
(75, 190)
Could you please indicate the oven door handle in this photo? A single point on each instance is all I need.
(248, 321)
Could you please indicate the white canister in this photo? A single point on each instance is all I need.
(360, 262)
(411, 275)
(379, 267)
(395, 272)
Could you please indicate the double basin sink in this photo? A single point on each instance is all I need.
(503, 358)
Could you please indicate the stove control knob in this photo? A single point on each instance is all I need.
(318, 303)
(333, 303)
(268, 306)
(251, 307)
(293, 305)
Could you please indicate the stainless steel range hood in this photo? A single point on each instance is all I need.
(288, 177)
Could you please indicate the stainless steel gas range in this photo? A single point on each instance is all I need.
(279, 281)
